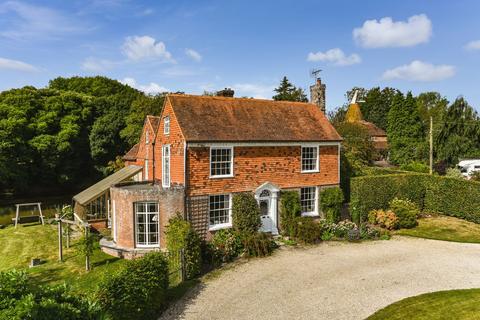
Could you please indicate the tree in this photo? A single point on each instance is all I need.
(459, 135)
(286, 91)
(377, 105)
(141, 107)
(357, 145)
(405, 130)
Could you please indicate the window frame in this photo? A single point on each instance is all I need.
(166, 125)
(317, 163)
(225, 225)
(146, 170)
(164, 182)
(147, 230)
(231, 163)
(315, 212)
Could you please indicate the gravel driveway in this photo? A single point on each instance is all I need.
(332, 280)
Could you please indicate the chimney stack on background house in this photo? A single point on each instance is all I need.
(227, 92)
(317, 94)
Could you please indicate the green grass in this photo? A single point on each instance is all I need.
(18, 246)
(444, 228)
(454, 304)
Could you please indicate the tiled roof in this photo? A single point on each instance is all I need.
(372, 129)
(131, 155)
(223, 119)
(154, 122)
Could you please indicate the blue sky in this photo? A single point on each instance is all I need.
(194, 46)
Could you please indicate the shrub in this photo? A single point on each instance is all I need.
(306, 230)
(20, 301)
(475, 176)
(406, 212)
(331, 201)
(258, 244)
(245, 213)
(385, 219)
(226, 245)
(369, 232)
(416, 167)
(181, 236)
(137, 291)
(454, 173)
(290, 209)
(341, 229)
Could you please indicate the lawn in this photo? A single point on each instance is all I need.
(454, 304)
(444, 228)
(19, 245)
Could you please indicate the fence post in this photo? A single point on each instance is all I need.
(60, 246)
(87, 254)
(182, 265)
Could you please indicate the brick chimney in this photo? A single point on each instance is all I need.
(317, 94)
(227, 92)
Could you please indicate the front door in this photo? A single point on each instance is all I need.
(266, 214)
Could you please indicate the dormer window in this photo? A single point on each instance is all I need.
(166, 125)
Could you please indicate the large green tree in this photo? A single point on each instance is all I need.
(61, 138)
(459, 135)
(286, 91)
(404, 130)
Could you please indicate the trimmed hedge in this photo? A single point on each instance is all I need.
(453, 197)
(138, 290)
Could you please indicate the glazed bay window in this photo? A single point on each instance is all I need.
(308, 201)
(146, 224)
(219, 211)
(221, 162)
(310, 159)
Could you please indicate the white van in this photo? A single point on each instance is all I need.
(467, 167)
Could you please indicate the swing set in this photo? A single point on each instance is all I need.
(32, 217)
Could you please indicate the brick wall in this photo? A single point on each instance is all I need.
(256, 165)
(123, 198)
(176, 141)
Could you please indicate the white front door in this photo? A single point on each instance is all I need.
(265, 214)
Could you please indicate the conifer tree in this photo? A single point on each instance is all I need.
(286, 91)
(404, 129)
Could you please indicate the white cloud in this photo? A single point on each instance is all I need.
(193, 54)
(473, 45)
(253, 90)
(97, 65)
(16, 65)
(145, 47)
(335, 56)
(388, 33)
(420, 71)
(151, 88)
(30, 21)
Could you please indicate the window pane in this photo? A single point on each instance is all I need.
(307, 199)
(309, 158)
(219, 209)
(220, 161)
(146, 217)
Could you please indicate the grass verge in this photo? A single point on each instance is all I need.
(444, 228)
(453, 304)
(20, 245)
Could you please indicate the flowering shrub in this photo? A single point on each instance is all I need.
(226, 245)
(384, 218)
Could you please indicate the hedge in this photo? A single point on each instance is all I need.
(436, 194)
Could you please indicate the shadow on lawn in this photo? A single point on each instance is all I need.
(179, 297)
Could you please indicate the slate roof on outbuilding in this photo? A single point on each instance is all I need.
(223, 119)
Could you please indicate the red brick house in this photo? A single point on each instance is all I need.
(201, 150)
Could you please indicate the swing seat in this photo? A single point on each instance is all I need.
(27, 219)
